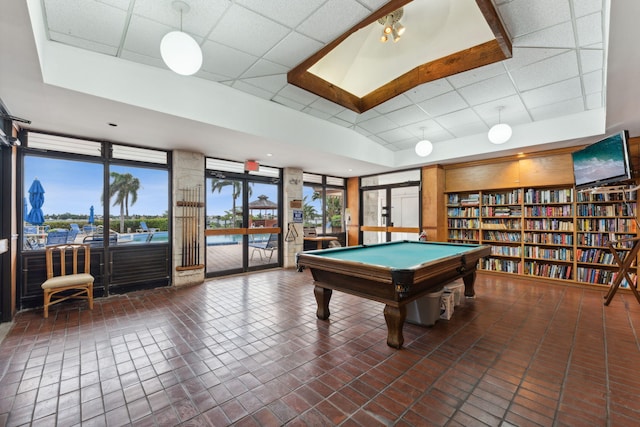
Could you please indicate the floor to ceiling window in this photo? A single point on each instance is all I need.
(243, 211)
(111, 196)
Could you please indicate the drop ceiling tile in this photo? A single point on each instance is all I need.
(393, 104)
(589, 29)
(326, 106)
(293, 49)
(560, 36)
(224, 60)
(252, 90)
(144, 59)
(144, 36)
(286, 12)
(527, 56)
(366, 133)
(271, 83)
(594, 101)
(120, 4)
(83, 43)
(552, 94)
(95, 22)
(586, 7)
(262, 67)
(373, 5)
(348, 115)
(367, 115)
(392, 136)
(298, 95)
(592, 82)
(476, 75)
(288, 103)
(591, 60)
(488, 90)
(525, 16)
(245, 30)
(560, 109)
(198, 21)
(429, 90)
(342, 14)
(443, 104)
(427, 129)
(340, 122)
(506, 110)
(551, 70)
(462, 123)
(316, 113)
(408, 115)
(377, 125)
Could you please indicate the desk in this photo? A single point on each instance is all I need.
(394, 273)
(320, 239)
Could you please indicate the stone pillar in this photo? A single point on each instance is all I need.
(188, 173)
(292, 231)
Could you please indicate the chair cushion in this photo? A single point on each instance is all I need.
(68, 280)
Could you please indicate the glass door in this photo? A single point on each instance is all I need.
(390, 213)
(243, 231)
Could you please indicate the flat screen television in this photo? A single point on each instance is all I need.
(604, 162)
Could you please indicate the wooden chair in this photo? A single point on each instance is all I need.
(77, 283)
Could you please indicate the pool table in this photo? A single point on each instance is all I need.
(394, 273)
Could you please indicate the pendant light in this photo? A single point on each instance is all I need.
(500, 133)
(179, 50)
(424, 147)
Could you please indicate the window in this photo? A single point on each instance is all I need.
(323, 203)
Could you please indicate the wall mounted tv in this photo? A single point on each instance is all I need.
(604, 162)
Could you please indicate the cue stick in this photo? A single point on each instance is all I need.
(190, 235)
(184, 238)
(198, 227)
(193, 226)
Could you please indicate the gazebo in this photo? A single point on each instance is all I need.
(263, 204)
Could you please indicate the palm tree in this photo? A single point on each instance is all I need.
(309, 212)
(124, 187)
(217, 184)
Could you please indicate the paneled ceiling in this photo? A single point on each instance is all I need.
(81, 64)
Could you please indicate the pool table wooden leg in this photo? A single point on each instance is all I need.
(323, 296)
(395, 316)
(469, 280)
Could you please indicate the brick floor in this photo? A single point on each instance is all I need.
(248, 350)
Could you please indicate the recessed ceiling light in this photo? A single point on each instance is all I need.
(269, 154)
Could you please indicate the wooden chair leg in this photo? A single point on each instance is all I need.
(47, 300)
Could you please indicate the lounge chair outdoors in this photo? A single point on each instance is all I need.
(74, 227)
(89, 229)
(270, 245)
(73, 233)
(144, 229)
(56, 237)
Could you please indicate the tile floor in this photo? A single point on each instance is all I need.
(248, 351)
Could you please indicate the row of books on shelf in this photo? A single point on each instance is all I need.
(615, 225)
(588, 196)
(465, 212)
(503, 265)
(501, 236)
(512, 251)
(597, 256)
(463, 223)
(562, 195)
(602, 277)
(617, 210)
(549, 211)
(548, 224)
(548, 238)
(506, 198)
(464, 235)
(501, 224)
(560, 254)
(553, 271)
(603, 239)
(501, 211)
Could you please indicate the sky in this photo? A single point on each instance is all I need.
(73, 186)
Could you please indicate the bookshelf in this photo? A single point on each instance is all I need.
(557, 233)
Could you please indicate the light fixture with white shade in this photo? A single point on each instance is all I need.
(391, 26)
(179, 50)
(500, 133)
(424, 147)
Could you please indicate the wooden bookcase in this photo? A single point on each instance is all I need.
(555, 233)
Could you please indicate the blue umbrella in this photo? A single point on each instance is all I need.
(91, 219)
(36, 198)
(26, 209)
